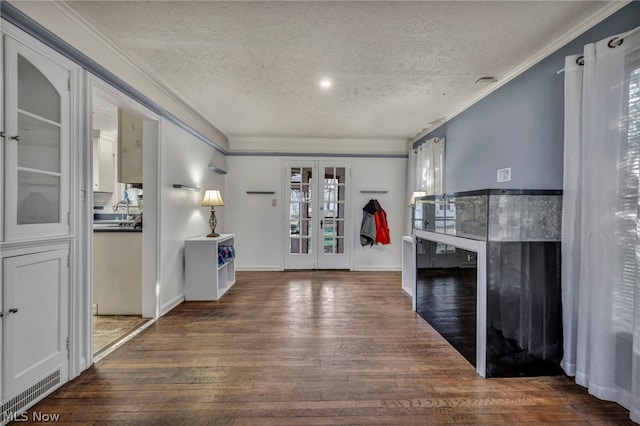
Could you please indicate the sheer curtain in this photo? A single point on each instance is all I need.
(426, 167)
(425, 170)
(600, 230)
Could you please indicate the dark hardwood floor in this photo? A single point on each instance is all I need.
(446, 298)
(309, 348)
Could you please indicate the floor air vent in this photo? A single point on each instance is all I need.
(19, 402)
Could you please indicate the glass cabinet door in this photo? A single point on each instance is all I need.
(36, 144)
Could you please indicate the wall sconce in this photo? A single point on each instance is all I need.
(218, 163)
(212, 198)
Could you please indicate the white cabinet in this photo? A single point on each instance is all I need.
(104, 161)
(36, 319)
(205, 277)
(36, 144)
(117, 272)
(35, 158)
(129, 147)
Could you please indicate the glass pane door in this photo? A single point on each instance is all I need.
(334, 223)
(38, 147)
(37, 144)
(316, 214)
(299, 210)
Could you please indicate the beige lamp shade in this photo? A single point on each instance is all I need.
(415, 195)
(212, 197)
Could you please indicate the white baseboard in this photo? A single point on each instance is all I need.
(258, 268)
(377, 269)
(171, 304)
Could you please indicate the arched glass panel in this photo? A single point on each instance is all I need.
(35, 93)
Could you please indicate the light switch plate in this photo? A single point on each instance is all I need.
(504, 175)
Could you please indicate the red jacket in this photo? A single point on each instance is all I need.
(382, 230)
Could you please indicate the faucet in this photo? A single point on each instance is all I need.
(124, 202)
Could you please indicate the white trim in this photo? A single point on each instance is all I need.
(152, 267)
(124, 340)
(250, 268)
(81, 206)
(609, 9)
(26, 39)
(95, 86)
(318, 145)
(171, 304)
(394, 268)
(479, 247)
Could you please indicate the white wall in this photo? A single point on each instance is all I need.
(387, 174)
(258, 225)
(184, 159)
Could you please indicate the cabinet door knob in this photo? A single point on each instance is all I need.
(13, 310)
(16, 138)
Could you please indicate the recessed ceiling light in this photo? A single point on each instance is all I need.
(325, 83)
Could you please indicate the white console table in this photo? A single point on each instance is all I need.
(204, 278)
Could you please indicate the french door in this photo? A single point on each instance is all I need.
(317, 215)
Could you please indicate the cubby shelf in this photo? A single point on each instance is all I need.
(204, 278)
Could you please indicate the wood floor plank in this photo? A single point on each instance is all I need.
(309, 348)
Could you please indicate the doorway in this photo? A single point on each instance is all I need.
(317, 215)
(118, 131)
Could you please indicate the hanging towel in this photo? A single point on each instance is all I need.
(382, 229)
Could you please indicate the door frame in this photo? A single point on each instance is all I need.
(151, 238)
(316, 184)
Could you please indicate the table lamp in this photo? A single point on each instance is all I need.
(212, 198)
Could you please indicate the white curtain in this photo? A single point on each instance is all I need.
(427, 162)
(425, 171)
(600, 230)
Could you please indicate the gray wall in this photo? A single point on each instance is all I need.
(520, 125)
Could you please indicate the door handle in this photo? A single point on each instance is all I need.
(13, 310)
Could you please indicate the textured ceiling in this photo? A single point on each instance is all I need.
(253, 68)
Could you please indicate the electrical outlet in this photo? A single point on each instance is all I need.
(504, 175)
(95, 309)
(274, 202)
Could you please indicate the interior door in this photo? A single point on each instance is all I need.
(317, 215)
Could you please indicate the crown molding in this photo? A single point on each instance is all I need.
(100, 38)
(606, 11)
(239, 145)
(57, 25)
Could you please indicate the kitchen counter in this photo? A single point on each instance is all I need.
(115, 222)
(116, 228)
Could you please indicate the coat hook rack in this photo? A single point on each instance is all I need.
(187, 187)
(261, 192)
(368, 191)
